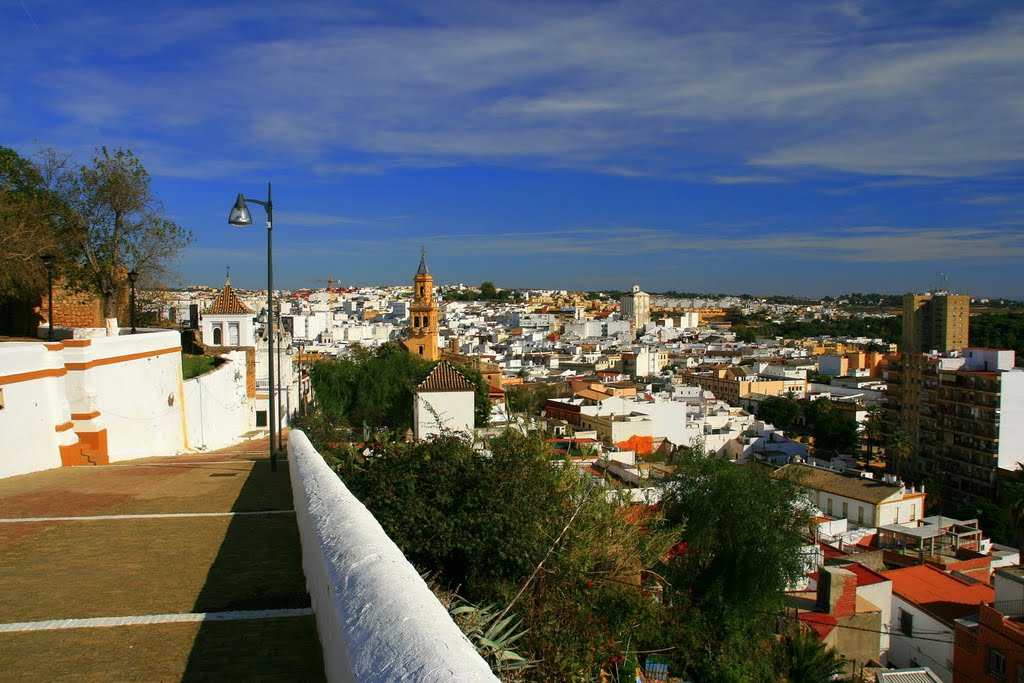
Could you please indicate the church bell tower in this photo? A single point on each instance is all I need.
(423, 314)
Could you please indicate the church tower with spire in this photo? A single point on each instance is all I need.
(423, 314)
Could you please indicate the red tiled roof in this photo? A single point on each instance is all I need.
(944, 595)
(820, 623)
(865, 576)
(444, 377)
(227, 303)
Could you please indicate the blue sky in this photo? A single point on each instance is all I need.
(765, 147)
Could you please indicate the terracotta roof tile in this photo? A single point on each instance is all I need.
(444, 377)
(227, 303)
(945, 596)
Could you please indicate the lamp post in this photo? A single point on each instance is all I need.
(133, 275)
(48, 262)
(241, 217)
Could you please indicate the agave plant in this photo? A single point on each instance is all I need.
(491, 635)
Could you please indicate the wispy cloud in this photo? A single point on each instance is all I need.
(612, 87)
(864, 244)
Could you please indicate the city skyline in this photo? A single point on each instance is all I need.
(846, 146)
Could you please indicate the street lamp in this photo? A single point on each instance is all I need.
(133, 275)
(48, 262)
(241, 217)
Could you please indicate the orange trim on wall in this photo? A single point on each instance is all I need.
(54, 346)
(31, 375)
(72, 455)
(120, 359)
(96, 444)
(77, 342)
(85, 416)
(64, 427)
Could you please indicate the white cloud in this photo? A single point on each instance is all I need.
(637, 86)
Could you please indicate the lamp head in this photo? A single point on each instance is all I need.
(133, 275)
(47, 261)
(240, 215)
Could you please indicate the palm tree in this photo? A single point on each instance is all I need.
(873, 424)
(899, 449)
(807, 660)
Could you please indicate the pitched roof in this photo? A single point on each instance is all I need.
(858, 488)
(444, 377)
(945, 596)
(227, 303)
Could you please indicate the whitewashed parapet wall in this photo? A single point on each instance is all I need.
(378, 620)
(35, 418)
(219, 411)
(131, 387)
(90, 401)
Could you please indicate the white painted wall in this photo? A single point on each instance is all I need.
(217, 408)
(435, 412)
(880, 595)
(33, 406)
(377, 619)
(139, 399)
(1011, 421)
(934, 647)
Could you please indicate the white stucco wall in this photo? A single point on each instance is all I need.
(435, 412)
(217, 408)
(880, 595)
(933, 648)
(376, 617)
(1011, 422)
(31, 395)
(135, 383)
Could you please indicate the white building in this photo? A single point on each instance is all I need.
(867, 502)
(228, 321)
(443, 403)
(636, 307)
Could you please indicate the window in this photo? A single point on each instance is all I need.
(261, 418)
(997, 664)
(218, 335)
(828, 508)
(913, 512)
(846, 509)
(860, 514)
(421, 350)
(233, 334)
(906, 622)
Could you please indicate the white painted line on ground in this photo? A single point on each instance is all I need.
(99, 622)
(180, 463)
(95, 518)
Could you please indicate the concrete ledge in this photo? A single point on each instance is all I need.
(377, 619)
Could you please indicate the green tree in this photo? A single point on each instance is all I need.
(899, 449)
(807, 660)
(729, 582)
(530, 399)
(509, 528)
(1013, 503)
(488, 292)
(27, 227)
(111, 221)
(781, 411)
(873, 428)
(831, 429)
(376, 387)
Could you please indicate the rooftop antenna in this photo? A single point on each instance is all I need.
(227, 276)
